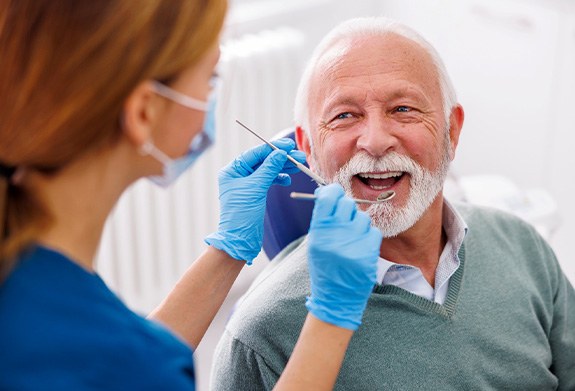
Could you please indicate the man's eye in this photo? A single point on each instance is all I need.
(403, 109)
(343, 116)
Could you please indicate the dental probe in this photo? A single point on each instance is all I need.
(299, 165)
(385, 196)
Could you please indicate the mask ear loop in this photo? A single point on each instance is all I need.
(178, 97)
(148, 148)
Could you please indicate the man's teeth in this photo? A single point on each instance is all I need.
(371, 178)
(386, 175)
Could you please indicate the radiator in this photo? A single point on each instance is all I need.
(154, 234)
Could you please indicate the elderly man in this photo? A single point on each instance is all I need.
(467, 298)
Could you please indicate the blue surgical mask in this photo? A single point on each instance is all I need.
(173, 168)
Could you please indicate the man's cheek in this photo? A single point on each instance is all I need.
(333, 160)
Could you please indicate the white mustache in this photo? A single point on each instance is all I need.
(362, 163)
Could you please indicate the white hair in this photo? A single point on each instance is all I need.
(368, 27)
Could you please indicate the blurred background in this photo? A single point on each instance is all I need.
(513, 66)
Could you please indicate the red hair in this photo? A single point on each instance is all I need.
(67, 67)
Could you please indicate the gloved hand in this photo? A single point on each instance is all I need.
(243, 186)
(343, 250)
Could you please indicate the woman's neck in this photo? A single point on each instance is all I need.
(80, 198)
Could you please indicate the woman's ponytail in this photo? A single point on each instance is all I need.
(6, 173)
(22, 217)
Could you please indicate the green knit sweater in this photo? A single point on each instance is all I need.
(508, 322)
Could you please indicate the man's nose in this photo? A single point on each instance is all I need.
(377, 136)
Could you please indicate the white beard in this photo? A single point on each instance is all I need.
(424, 188)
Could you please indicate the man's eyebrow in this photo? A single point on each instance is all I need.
(343, 101)
(408, 92)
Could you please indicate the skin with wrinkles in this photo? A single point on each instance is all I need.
(375, 95)
(355, 106)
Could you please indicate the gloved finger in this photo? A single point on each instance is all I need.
(298, 155)
(326, 200)
(289, 167)
(255, 156)
(238, 168)
(268, 171)
(345, 209)
(245, 164)
(362, 221)
(282, 180)
(250, 160)
(287, 144)
(374, 237)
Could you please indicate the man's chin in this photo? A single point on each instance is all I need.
(392, 221)
(389, 232)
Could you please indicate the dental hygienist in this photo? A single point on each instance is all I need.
(95, 95)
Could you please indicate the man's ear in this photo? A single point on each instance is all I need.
(455, 124)
(140, 113)
(302, 141)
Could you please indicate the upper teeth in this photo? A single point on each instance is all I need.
(381, 176)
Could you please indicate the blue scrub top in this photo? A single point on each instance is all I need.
(61, 328)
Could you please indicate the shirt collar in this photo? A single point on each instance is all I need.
(455, 228)
(454, 225)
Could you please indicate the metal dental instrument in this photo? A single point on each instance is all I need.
(385, 196)
(299, 165)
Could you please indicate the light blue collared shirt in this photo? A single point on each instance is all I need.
(410, 277)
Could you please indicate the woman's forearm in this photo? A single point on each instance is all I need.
(316, 358)
(193, 303)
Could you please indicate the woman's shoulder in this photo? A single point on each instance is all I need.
(61, 322)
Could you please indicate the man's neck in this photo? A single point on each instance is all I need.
(422, 244)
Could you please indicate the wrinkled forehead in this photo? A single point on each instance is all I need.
(367, 56)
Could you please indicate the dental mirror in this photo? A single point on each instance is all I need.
(385, 196)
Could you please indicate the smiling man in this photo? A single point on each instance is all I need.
(467, 298)
(377, 123)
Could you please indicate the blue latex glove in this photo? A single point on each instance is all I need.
(343, 249)
(243, 186)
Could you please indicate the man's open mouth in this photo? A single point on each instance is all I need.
(380, 181)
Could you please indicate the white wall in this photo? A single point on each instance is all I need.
(561, 156)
